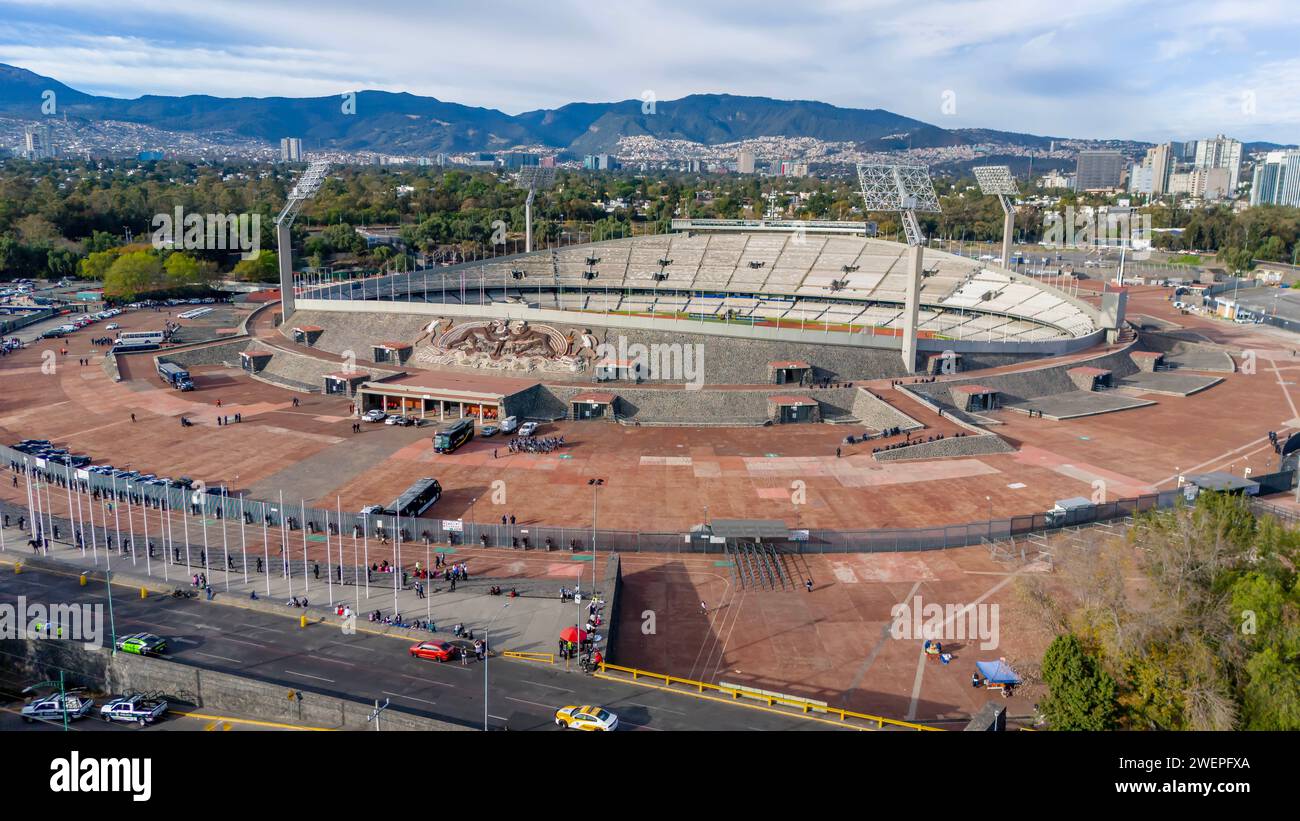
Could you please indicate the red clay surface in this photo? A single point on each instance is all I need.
(829, 644)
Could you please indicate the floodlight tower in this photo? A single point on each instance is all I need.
(533, 178)
(308, 184)
(996, 180)
(908, 190)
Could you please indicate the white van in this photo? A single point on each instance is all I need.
(509, 424)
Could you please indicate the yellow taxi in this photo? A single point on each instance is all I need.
(586, 718)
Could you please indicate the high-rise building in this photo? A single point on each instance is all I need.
(599, 162)
(745, 162)
(1099, 170)
(1184, 151)
(1140, 179)
(38, 142)
(290, 149)
(1220, 152)
(1160, 159)
(1277, 179)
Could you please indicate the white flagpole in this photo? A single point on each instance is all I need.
(243, 537)
(284, 545)
(365, 540)
(329, 565)
(302, 523)
(266, 551)
(225, 544)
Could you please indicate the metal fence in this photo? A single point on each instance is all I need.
(293, 515)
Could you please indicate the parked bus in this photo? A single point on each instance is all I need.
(453, 436)
(132, 346)
(154, 337)
(417, 498)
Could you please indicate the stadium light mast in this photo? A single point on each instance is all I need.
(906, 189)
(308, 184)
(533, 178)
(996, 181)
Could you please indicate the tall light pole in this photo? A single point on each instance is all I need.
(308, 184)
(596, 484)
(907, 190)
(996, 180)
(532, 179)
(486, 648)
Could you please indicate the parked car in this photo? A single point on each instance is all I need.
(488, 430)
(528, 429)
(373, 416)
(52, 707)
(140, 708)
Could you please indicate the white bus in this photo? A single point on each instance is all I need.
(145, 337)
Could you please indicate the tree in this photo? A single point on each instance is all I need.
(1082, 696)
(264, 267)
(133, 274)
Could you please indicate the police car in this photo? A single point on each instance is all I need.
(52, 707)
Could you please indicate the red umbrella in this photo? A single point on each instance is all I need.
(573, 634)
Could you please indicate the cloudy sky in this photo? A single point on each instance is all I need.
(1161, 69)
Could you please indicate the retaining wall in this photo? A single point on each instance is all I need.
(98, 669)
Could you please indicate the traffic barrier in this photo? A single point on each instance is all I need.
(548, 658)
(18, 568)
(302, 622)
(770, 699)
(144, 594)
(82, 579)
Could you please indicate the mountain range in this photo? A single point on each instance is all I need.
(402, 123)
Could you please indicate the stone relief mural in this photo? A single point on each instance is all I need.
(506, 345)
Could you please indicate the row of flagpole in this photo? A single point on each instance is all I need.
(41, 525)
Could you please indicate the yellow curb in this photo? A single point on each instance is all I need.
(277, 725)
(736, 703)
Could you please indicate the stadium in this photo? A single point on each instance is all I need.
(764, 304)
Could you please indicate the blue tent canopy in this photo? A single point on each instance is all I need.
(997, 672)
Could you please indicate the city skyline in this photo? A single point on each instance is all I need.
(1158, 71)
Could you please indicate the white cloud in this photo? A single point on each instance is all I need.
(1107, 68)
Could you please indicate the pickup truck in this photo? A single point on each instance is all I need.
(51, 708)
(141, 708)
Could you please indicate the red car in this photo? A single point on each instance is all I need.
(436, 650)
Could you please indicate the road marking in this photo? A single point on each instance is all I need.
(350, 646)
(241, 641)
(184, 641)
(648, 707)
(498, 718)
(408, 698)
(211, 656)
(621, 722)
(551, 686)
(427, 680)
(309, 675)
(253, 722)
(257, 627)
(525, 701)
(334, 661)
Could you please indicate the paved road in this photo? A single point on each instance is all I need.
(522, 695)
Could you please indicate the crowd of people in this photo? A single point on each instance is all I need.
(917, 441)
(536, 444)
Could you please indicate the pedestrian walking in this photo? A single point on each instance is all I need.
(704, 608)
(808, 585)
(133, 417)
